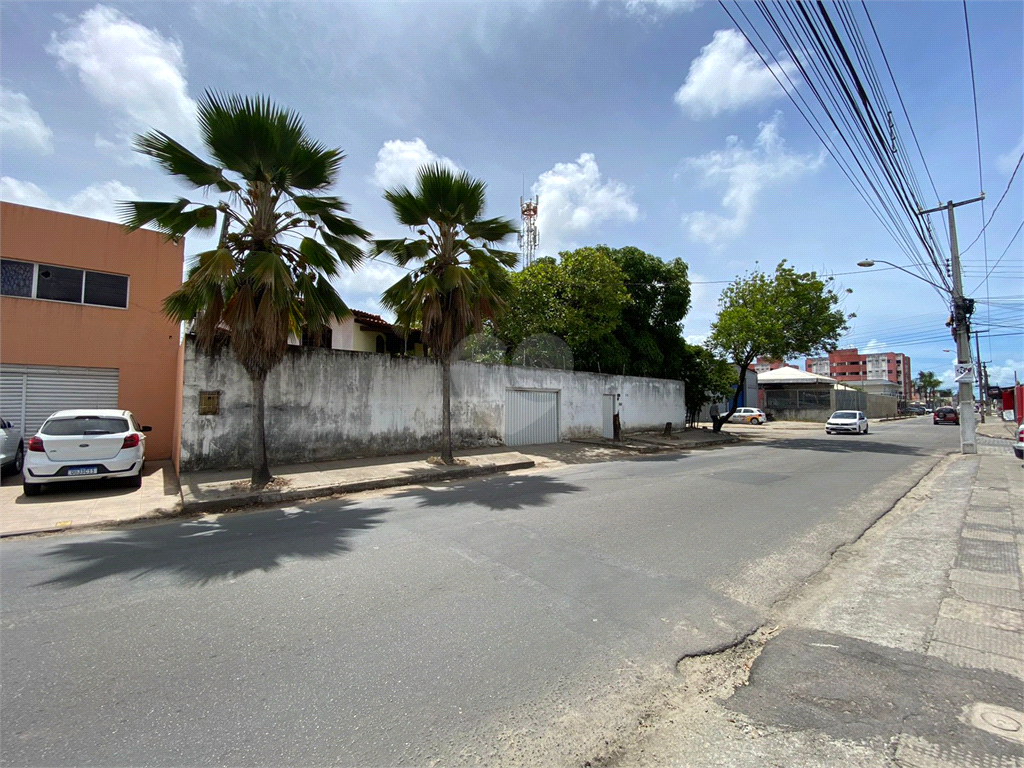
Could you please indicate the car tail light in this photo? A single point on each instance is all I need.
(35, 443)
(130, 441)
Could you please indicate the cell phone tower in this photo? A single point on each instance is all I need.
(529, 235)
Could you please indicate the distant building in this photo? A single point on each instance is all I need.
(875, 372)
(765, 364)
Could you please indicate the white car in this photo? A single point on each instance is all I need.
(85, 444)
(748, 416)
(12, 447)
(847, 421)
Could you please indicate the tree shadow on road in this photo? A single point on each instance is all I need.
(207, 549)
(498, 493)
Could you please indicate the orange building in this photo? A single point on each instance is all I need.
(81, 322)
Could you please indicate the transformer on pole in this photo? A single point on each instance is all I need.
(529, 236)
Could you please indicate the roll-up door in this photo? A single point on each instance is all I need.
(30, 393)
(531, 417)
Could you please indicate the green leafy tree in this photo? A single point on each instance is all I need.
(461, 279)
(650, 333)
(788, 314)
(708, 379)
(282, 237)
(579, 299)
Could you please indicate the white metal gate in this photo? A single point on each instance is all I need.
(30, 393)
(531, 416)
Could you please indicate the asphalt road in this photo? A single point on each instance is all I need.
(515, 619)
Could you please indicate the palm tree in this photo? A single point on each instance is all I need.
(461, 280)
(928, 383)
(281, 236)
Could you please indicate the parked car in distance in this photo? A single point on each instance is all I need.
(847, 421)
(12, 447)
(748, 416)
(85, 444)
(945, 415)
(1018, 447)
(916, 410)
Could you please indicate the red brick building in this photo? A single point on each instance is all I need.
(848, 366)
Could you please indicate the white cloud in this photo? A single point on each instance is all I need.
(1003, 375)
(657, 8)
(97, 201)
(573, 199)
(131, 69)
(398, 162)
(745, 173)
(1006, 163)
(21, 126)
(729, 75)
(372, 277)
(875, 346)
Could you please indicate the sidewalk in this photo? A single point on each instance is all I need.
(907, 650)
(101, 503)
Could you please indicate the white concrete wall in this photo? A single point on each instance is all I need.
(332, 404)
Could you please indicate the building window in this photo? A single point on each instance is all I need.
(382, 345)
(16, 278)
(106, 290)
(67, 284)
(59, 284)
(324, 340)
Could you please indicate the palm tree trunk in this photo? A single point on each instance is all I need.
(260, 468)
(446, 410)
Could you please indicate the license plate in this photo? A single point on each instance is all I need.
(82, 471)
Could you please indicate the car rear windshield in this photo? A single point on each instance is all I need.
(85, 425)
(844, 415)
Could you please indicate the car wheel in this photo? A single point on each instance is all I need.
(865, 429)
(1019, 453)
(755, 420)
(32, 489)
(19, 458)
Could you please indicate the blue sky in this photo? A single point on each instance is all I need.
(638, 123)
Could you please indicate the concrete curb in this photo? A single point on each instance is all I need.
(261, 498)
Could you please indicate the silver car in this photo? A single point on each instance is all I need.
(847, 421)
(12, 447)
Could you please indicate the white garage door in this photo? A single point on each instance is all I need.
(30, 393)
(531, 417)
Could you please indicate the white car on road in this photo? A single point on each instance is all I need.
(748, 416)
(847, 421)
(85, 445)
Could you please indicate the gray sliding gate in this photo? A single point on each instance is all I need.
(531, 416)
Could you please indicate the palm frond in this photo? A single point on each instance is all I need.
(316, 255)
(490, 230)
(179, 161)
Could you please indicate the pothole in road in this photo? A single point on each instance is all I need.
(1002, 721)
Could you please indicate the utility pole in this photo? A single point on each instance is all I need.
(962, 331)
(981, 377)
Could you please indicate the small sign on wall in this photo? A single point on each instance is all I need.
(209, 402)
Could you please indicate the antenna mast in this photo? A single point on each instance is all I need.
(529, 236)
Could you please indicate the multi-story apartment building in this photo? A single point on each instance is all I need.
(848, 366)
(765, 364)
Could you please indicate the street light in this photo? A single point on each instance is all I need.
(872, 262)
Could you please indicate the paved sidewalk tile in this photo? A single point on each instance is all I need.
(1004, 598)
(979, 638)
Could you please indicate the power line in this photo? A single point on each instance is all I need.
(977, 133)
(985, 279)
(1008, 184)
